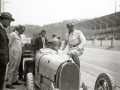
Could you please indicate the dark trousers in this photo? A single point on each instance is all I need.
(2, 75)
(21, 68)
(29, 67)
(76, 60)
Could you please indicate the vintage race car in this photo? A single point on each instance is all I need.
(57, 71)
(54, 70)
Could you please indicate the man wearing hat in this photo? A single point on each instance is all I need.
(76, 42)
(15, 53)
(5, 20)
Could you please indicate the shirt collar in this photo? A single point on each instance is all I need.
(72, 32)
(42, 36)
(17, 32)
(2, 25)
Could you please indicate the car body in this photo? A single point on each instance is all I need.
(55, 70)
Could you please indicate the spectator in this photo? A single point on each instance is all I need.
(41, 41)
(56, 42)
(76, 42)
(58, 38)
(60, 42)
(33, 42)
(5, 20)
(49, 45)
(15, 53)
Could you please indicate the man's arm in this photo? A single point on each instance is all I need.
(11, 39)
(36, 45)
(82, 39)
(46, 41)
(64, 44)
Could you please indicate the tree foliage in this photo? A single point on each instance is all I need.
(57, 28)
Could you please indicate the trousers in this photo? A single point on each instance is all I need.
(2, 75)
(13, 66)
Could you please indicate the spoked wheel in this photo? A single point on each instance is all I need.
(30, 82)
(104, 82)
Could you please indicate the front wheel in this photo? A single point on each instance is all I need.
(30, 82)
(104, 82)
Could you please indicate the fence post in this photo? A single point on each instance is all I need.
(101, 42)
(111, 41)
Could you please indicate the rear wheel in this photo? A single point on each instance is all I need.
(104, 82)
(30, 82)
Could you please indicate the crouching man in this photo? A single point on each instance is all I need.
(76, 42)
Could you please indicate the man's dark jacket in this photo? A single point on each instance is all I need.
(4, 50)
(38, 43)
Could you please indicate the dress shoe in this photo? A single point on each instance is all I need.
(10, 86)
(16, 83)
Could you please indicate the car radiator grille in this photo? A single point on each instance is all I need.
(69, 77)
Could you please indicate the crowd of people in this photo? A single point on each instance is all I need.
(42, 42)
(11, 48)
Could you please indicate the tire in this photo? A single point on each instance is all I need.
(104, 82)
(30, 82)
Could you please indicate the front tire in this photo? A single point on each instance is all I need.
(30, 82)
(104, 82)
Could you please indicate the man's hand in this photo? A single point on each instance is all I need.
(60, 51)
(75, 48)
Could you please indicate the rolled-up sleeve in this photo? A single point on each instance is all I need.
(82, 39)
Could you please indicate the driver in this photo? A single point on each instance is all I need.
(49, 44)
(76, 42)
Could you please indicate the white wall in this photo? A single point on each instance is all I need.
(104, 42)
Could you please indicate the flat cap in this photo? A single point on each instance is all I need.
(19, 27)
(70, 24)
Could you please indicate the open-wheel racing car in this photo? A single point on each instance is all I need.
(57, 71)
(54, 70)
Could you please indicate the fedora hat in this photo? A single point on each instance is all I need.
(7, 15)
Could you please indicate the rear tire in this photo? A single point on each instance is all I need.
(30, 82)
(104, 82)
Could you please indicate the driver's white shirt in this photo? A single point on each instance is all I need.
(74, 39)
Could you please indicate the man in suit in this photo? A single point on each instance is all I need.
(5, 20)
(41, 41)
(15, 52)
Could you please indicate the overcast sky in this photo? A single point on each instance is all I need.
(40, 12)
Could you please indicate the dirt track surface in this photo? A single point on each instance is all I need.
(95, 61)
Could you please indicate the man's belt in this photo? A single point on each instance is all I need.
(70, 46)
